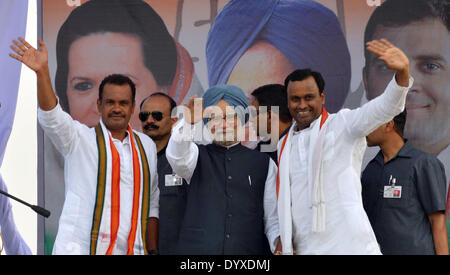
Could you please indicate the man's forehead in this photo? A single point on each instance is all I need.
(425, 38)
(306, 85)
(111, 90)
(157, 101)
(222, 107)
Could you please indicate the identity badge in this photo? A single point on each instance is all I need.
(173, 180)
(392, 192)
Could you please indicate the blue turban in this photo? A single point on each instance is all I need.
(232, 95)
(304, 31)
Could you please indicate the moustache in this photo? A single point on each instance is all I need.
(116, 115)
(151, 126)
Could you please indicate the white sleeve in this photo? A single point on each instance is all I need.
(363, 120)
(60, 128)
(271, 225)
(154, 190)
(182, 152)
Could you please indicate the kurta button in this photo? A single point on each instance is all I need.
(230, 215)
(229, 159)
(228, 236)
(229, 177)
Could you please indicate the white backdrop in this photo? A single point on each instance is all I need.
(19, 168)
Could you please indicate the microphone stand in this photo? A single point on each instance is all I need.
(41, 211)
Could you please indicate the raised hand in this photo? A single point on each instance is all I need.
(36, 60)
(194, 111)
(394, 58)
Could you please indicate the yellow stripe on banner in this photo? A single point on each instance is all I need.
(145, 192)
(101, 183)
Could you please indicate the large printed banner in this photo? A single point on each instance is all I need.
(182, 47)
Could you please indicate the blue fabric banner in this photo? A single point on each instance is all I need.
(13, 20)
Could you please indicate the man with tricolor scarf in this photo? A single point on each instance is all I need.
(111, 204)
(231, 202)
(318, 183)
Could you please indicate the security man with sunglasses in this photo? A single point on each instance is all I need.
(155, 116)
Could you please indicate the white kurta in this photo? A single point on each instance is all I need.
(320, 206)
(77, 143)
(298, 171)
(182, 155)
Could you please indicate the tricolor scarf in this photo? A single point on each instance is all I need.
(315, 185)
(106, 216)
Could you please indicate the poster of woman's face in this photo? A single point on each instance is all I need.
(422, 31)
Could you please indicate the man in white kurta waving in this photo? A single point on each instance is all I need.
(318, 184)
(111, 204)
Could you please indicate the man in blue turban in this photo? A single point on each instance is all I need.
(231, 204)
(231, 95)
(258, 42)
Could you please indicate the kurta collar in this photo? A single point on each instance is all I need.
(126, 140)
(233, 148)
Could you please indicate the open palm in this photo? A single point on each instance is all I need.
(393, 57)
(28, 55)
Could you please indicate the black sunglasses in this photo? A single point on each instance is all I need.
(157, 115)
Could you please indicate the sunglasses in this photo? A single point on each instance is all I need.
(157, 115)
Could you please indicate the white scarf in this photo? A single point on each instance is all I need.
(315, 184)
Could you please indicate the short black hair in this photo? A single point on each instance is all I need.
(398, 13)
(274, 95)
(132, 17)
(117, 79)
(172, 102)
(302, 74)
(399, 122)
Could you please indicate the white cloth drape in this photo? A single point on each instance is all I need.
(338, 223)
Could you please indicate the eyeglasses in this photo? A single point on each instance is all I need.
(157, 115)
(228, 117)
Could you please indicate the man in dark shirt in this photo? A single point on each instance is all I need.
(403, 192)
(231, 206)
(270, 96)
(157, 123)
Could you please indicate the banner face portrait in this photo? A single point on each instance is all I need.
(182, 47)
